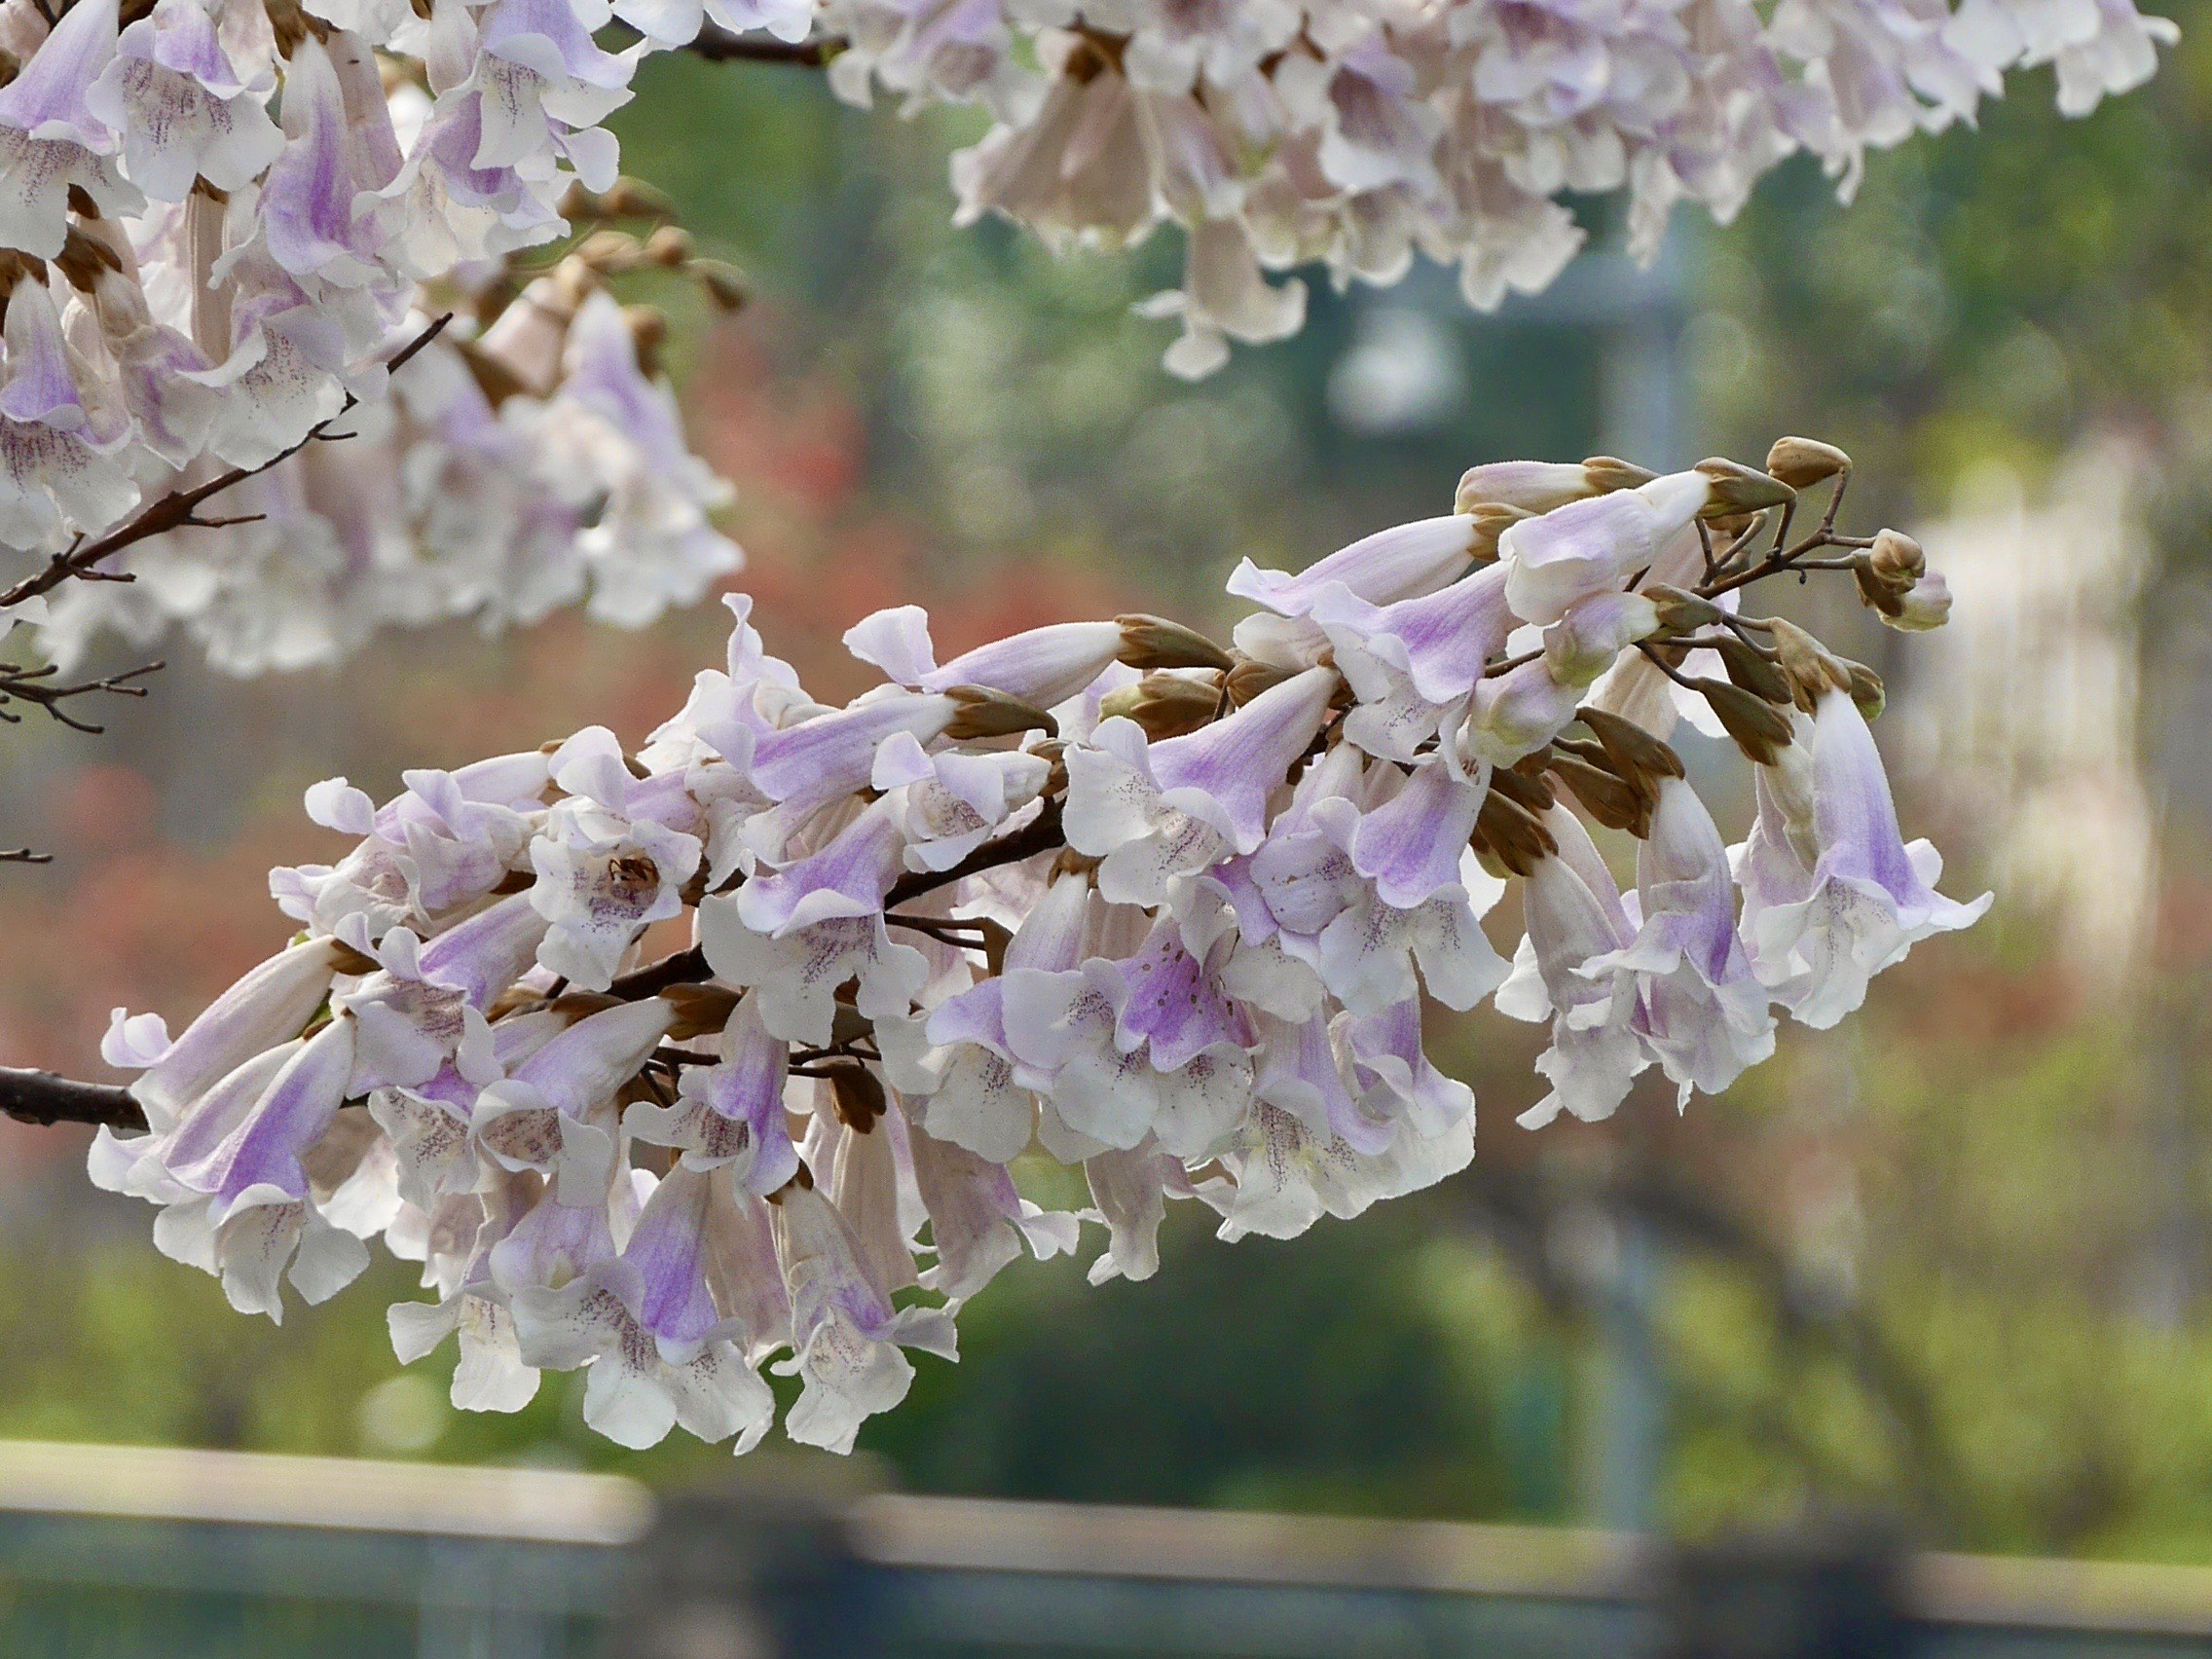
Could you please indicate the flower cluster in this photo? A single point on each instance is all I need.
(220, 218)
(1355, 131)
(1109, 894)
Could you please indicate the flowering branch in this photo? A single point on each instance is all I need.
(1113, 892)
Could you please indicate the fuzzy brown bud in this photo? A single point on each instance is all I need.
(1511, 836)
(1867, 690)
(725, 283)
(1808, 665)
(1606, 797)
(1801, 462)
(1491, 521)
(629, 199)
(668, 247)
(648, 332)
(1748, 668)
(1681, 611)
(1607, 473)
(1760, 729)
(572, 1006)
(1739, 489)
(1639, 758)
(701, 1011)
(1896, 559)
(1152, 643)
(1248, 679)
(984, 713)
(1165, 705)
(856, 1093)
(1524, 789)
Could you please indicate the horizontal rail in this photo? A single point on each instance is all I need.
(970, 1536)
(159, 1482)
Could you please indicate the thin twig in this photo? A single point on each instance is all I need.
(29, 686)
(180, 510)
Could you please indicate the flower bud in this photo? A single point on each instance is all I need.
(1511, 834)
(1639, 758)
(668, 247)
(1165, 705)
(1737, 489)
(1806, 664)
(1752, 671)
(1607, 474)
(1681, 611)
(1248, 680)
(607, 252)
(625, 198)
(1606, 798)
(1150, 642)
(648, 332)
(1526, 485)
(1925, 606)
(984, 713)
(856, 1093)
(1896, 559)
(1524, 789)
(1801, 462)
(1760, 729)
(701, 1011)
(1867, 690)
(725, 283)
(1491, 521)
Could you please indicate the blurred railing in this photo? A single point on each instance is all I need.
(125, 1551)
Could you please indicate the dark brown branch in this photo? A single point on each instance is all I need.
(180, 510)
(719, 46)
(43, 1098)
(1040, 836)
(690, 967)
(682, 967)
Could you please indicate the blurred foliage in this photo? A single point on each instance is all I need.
(1947, 1263)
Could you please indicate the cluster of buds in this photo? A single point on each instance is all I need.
(1111, 895)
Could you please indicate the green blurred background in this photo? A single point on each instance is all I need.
(1945, 1266)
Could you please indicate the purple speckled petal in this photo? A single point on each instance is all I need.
(47, 99)
(289, 1118)
(1440, 640)
(589, 1061)
(1174, 1004)
(1410, 845)
(37, 384)
(1224, 773)
(669, 1250)
(832, 754)
(484, 955)
(848, 877)
(267, 1006)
